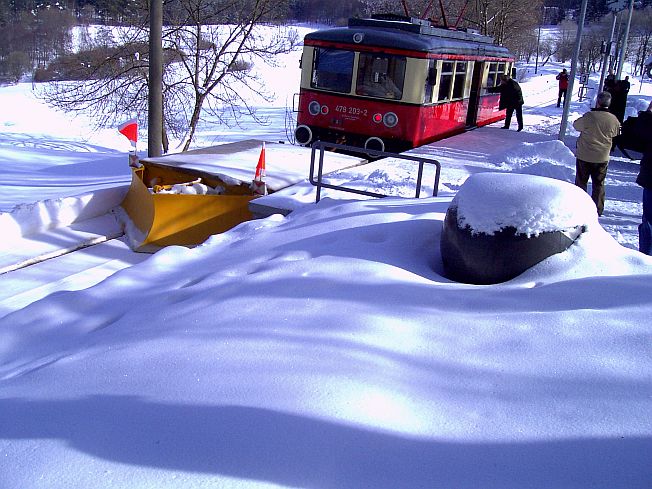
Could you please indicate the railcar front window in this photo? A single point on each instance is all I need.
(380, 76)
(332, 70)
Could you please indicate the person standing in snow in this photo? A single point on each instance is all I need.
(597, 129)
(643, 132)
(610, 81)
(511, 98)
(619, 91)
(563, 86)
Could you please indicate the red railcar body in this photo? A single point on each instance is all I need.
(392, 85)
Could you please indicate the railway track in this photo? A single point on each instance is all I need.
(56, 253)
(64, 259)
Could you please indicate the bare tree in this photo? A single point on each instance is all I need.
(523, 44)
(17, 64)
(640, 46)
(547, 50)
(501, 19)
(210, 48)
(565, 40)
(39, 33)
(591, 49)
(214, 69)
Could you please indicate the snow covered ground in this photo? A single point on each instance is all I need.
(325, 349)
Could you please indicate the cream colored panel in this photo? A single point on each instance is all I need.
(469, 78)
(306, 66)
(485, 76)
(354, 78)
(416, 72)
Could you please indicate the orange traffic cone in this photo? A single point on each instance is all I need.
(258, 184)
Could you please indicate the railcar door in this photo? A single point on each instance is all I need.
(474, 97)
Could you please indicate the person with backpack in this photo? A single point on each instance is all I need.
(563, 86)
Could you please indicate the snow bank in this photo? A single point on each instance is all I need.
(547, 158)
(27, 219)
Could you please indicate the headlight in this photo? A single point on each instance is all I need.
(314, 108)
(390, 119)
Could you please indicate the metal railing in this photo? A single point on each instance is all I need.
(321, 146)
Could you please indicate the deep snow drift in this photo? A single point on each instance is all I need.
(326, 349)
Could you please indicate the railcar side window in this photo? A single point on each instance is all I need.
(431, 81)
(492, 77)
(446, 80)
(459, 80)
(332, 69)
(380, 75)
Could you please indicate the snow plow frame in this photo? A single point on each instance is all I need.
(164, 219)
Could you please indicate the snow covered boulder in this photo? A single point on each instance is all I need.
(500, 224)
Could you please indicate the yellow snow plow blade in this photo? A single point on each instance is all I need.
(163, 219)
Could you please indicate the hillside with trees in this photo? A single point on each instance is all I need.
(210, 46)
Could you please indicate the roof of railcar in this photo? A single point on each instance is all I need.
(412, 36)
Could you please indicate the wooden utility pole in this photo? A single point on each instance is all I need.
(155, 96)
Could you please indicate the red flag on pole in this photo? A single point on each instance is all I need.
(129, 129)
(260, 167)
(258, 184)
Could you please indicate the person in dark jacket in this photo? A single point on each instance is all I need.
(563, 86)
(511, 98)
(626, 85)
(619, 92)
(643, 131)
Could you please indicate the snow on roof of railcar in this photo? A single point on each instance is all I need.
(410, 34)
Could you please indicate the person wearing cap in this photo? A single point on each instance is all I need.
(597, 129)
(563, 86)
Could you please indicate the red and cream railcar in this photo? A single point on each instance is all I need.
(391, 84)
